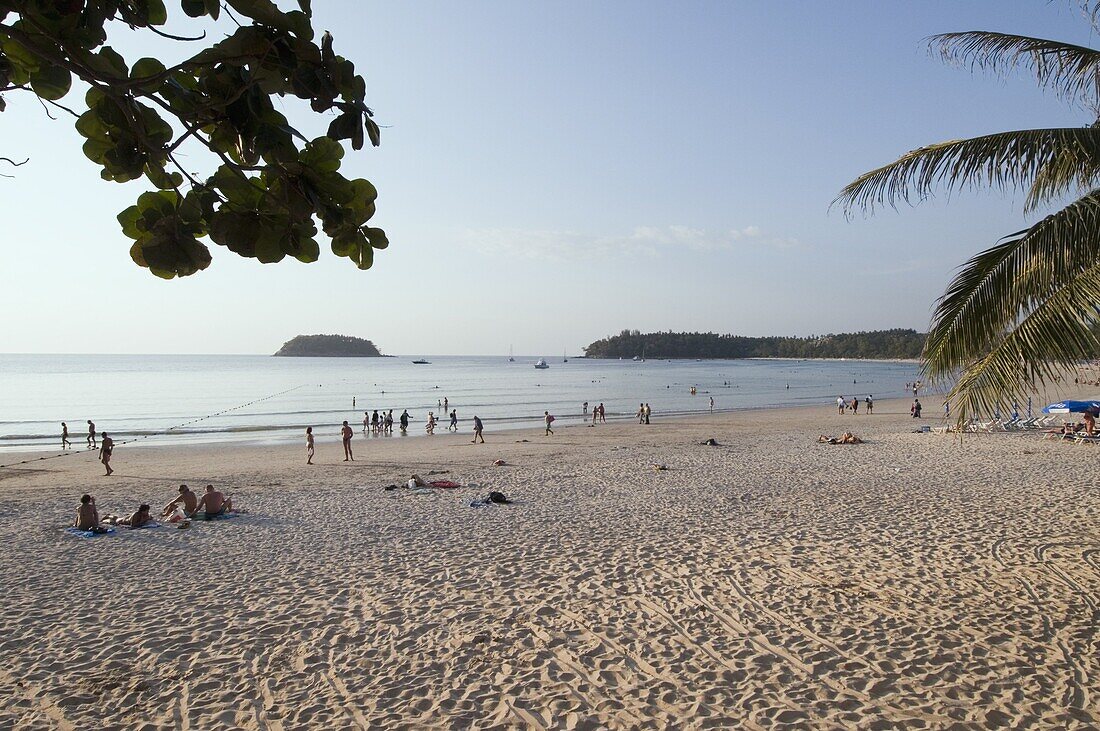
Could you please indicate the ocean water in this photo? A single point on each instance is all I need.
(172, 399)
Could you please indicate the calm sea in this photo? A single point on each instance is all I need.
(172, 399)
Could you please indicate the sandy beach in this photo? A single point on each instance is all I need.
(915, 581)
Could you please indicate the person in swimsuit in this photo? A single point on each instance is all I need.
(603, 414)
(214, 503)
(65, 437)
(91, 435)
(106, 448)
(309, 445)
(87, 517)
(345, 435)
(189, 499)
(477, 431)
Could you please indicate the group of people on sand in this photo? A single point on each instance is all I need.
(599, 413)
(842, 404)
(346, 432)
(106, 445)
(211, 504)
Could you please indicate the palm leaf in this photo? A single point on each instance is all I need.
(1070, 70)
(1055, 335)
(999, 286)
(1047, 161)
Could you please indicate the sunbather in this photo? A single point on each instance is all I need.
(87, 517)
(214, 503)
(189, 499)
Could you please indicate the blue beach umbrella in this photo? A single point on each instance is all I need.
(1072, 407)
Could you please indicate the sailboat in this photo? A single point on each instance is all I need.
(510, 358)
(564, 358)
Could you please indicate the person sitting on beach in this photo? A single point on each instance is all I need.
(477, 431)
(214, 503)
(189, 499)
(417, 481)
(87, 517)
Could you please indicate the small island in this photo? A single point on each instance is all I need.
(328, 346)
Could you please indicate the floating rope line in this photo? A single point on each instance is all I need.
(159, 434)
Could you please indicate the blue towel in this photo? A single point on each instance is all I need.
(219, 516)
(87, 533)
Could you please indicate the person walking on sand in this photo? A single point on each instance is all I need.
(840, 405)
(309, 445)
(65, 437)
(855, 405)
(641, 413)
(477, 431)
(712, 403)
(366, 421)
(646, 409)
(869, 402)
(915, 409)
(454, 421)
(584, 409)
(549, 420)
(106, 448)
(345, 435)
(91, 435)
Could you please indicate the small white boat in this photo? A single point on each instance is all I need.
(636, 359)
(542, 364)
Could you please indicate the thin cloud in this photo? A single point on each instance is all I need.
(641, 241)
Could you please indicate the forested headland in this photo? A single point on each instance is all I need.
(882, 344)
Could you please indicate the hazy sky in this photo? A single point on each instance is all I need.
(551, 173)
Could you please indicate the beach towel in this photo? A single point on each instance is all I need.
(444, 483)
(219, 516)
(87, 533)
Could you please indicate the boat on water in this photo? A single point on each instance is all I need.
(511, 358)
(636, 359)
(422, 362)
(542, 364)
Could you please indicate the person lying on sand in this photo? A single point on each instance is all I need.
(214, 503)
(189, 499)
(137, 519)
(417, 481)
(845, 438)
(87, 517)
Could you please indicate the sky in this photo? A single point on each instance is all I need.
(553, 173)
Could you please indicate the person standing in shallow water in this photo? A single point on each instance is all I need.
(91, 435)
(404, 421)
(345, 435)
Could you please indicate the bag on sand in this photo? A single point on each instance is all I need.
(498, 497)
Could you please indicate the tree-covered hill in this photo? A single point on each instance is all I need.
(333, 346)
(898, 343)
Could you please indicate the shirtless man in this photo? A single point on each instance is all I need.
(214, 503)
(65, 437)
(106, 448)
(189, 499)
(87, 517)
(91, 435)
(309, 445)
(345, 434)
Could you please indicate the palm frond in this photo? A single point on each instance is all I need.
(1056, 334)
(1003, 284)
(1072, 71)
(1047, 161)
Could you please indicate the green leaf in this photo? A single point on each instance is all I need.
(51, 82)
(377, 238)
(145, 68)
